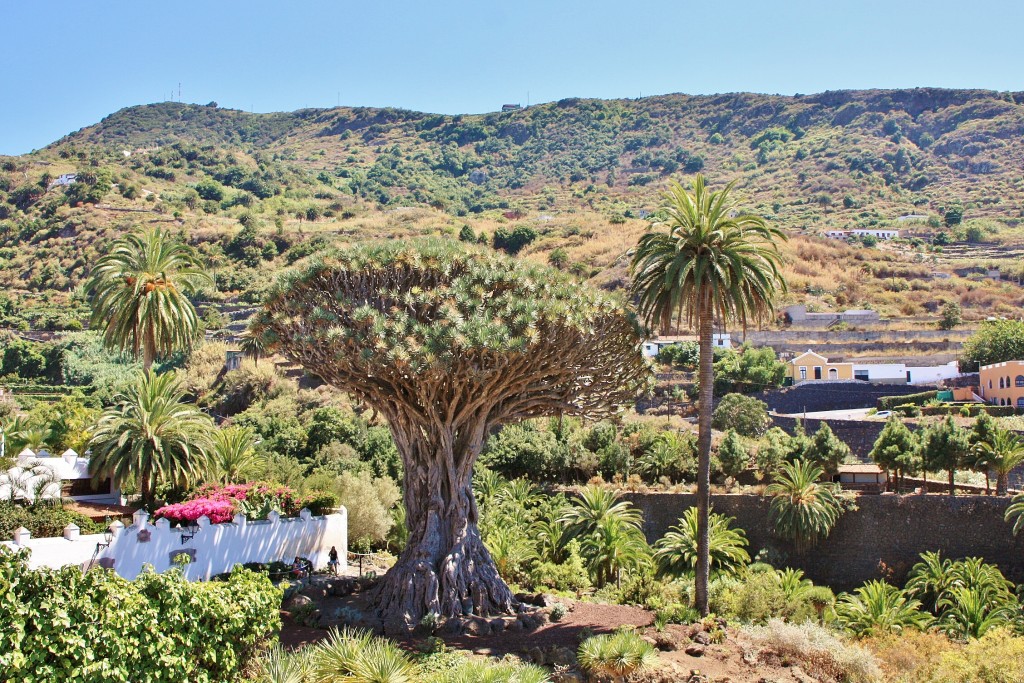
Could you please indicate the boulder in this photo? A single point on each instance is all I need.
(695, 650)
(296, 602)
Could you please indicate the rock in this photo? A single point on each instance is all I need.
(666, 642)
(314, 592)
(537, 656)
(497, 625)
(566, 677)
(515, 626)
(450, 628)
(695, 650)
(561, 656)
(701, 638)
(476, 627)
(295, 602)
(325, 620)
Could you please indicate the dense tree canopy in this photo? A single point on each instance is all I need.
(995, 341)
(448, 343)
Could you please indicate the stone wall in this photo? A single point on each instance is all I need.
(886, 530)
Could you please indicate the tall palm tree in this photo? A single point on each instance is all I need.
(139, 295)
(232, 457)
(1001, 455)
(711, 262)
(152, 435)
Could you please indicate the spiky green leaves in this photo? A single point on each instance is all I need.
(432, 321)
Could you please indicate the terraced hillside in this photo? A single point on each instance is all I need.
(576, 177)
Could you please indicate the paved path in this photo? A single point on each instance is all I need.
(855, 414)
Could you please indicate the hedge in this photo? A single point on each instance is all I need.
(890, 402)
(42, 519)
(973, 409)
(66, 625)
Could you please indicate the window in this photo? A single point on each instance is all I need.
(1020, 402)
(803, 372)
(990, 384)
(817, 372)
(1019, 381)
(1000, 382)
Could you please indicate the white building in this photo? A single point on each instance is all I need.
(54, 477)
(901, 373)
(651, 347)
(846, 234)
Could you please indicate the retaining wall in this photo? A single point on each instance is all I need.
(886, 530)
(216, 548)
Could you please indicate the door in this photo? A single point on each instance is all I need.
(817, 372)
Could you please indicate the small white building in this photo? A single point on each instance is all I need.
(901, 373)
(878, 234)
(55, 477)
(64, 180)
(651, 347)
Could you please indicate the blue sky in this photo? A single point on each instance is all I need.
(67, 64)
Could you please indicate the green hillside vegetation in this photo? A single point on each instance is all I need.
(566, 183)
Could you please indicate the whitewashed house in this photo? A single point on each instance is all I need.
(651, 347)
(55, 477)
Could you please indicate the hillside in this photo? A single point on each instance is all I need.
(255, 190)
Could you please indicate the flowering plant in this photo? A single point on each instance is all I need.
(217, 510)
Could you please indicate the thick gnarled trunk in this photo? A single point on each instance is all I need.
(444, 567)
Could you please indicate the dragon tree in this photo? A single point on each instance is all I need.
(448, 343)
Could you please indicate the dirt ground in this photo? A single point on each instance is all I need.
(731, 661)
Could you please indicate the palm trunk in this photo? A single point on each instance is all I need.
(1001, 482)
(707, 388)
(444, 567)
(148, 348)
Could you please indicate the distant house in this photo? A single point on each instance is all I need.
(798, 313)
(878, 234)
(1002, 384)
(510, 107)
(813, 366)
(64, 180)
(861, 477)
(70, 478)
(477, 176)
(651, 347)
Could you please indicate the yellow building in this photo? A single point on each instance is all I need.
(810, 365)
(1002, 384)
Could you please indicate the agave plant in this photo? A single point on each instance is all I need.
(877, 608)
(803, 508)
(676, 552)
(793, 584)
(280, 666)
(519, 493)
(617, 655)
(477, 671)
(356, 656)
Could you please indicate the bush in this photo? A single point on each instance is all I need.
(890, 402)
(95, 626)
(42, 520)
(818, 651)
(570, 575)
(369, 501)
(747, 415)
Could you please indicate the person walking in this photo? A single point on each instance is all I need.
(332, 558)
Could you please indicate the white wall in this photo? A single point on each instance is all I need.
(933, 373)
(218, 547)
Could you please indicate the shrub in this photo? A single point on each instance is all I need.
(819, 652)
(745, 414)
(919, 399)
(95, 626)
(570, 575)
(876, 608)
(732, 454)
(42, 520)
(618, 654)
(369, 501)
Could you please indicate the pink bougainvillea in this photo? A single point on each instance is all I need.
(217, 510)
